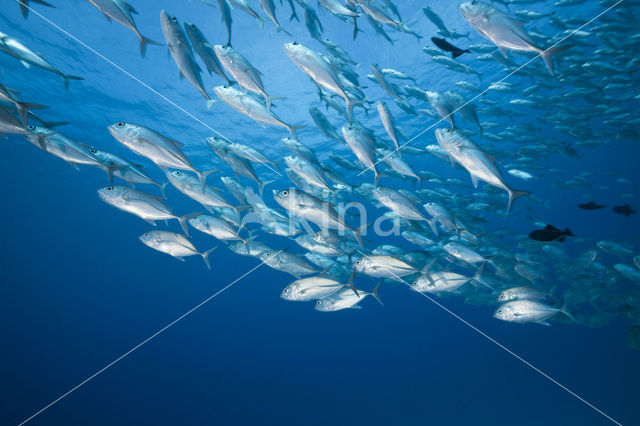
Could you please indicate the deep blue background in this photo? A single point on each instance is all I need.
(78, 289)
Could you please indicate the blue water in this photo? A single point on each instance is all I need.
(78, 289)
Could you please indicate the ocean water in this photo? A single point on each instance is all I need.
(78, 289)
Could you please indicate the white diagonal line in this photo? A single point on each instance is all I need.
(500, 345)
(127, 73)
(487, 89)
(138, 346)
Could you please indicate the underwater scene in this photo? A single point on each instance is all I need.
(300, 212)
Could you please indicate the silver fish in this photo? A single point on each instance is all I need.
(173, 244)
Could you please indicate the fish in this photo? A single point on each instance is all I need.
(402, 205)
(624, 210)
(269, 8)
(282, 260)
(210, 197)
(28, 57)
(180, 49)
(524, 311)
(214, 226)
(241, 69)
(523, 293)
(161, 150)
(346, 299)
(175, 245)
(550, 233)
(363, 148)
(383, 266)
(505, 32)
(464, 152)
(124, 169)
(448, 47)
(205, 51)
(122, 12)
(591, 206)
(388, 122)
(301, 204)
(315, 66)
(9, 124)
(251, 107)
(146, 206)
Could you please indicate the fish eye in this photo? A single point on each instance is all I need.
(178, 173)
(93, 150)
(31, 127)
(285, 192)
(286, 290)
(295, 43)
(173, 18)
(146, 234)
(318, 302)
(109, 188)
(119, 124)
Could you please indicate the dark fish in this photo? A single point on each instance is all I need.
(448, 47)
(591, 206)
(550, 233)
(624, 210)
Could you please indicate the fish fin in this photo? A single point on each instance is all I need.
(350, 283)
(67, 77)
(210, 103)
(503, 51)
(181, 259)
(144, 41)
(350, 104)
(261, 185)
(568, 233)
(205, 256)
(432, 225)
(183, 221)
(457, 53)
(202, 176)
(180, 75)
(374, 293)
(130, 8)
(548, 53)
(293, 129)
(163, 188)
(551, 228)
(26, 64)
(543, 323)
(513, 195)
(24, 107)
(477, 277)
(108, 18)
(150, 221)
(474, 181)
(561, 239)
(564, 309)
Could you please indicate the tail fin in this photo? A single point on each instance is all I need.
(144, 41)
(280, 28)
(163, 188)
(261, 185)
(67, 77)
(477, 277)
(24, 107)
(202, 176)
(513, 194)
(374, 293)
(293, 130)
(547, 54)
(183, 221)
(350, 283)
(564, 310)
(205, 256)
(350, 104)
(210, 102)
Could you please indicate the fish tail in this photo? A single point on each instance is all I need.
(477, 277)
(205, 256)
(67, 77)
(202, 176)
(163, 189)
(565, 310)
(374, 293)
(144, 41)
(513, 195)
(183, 221)
(24, 107)
(548, 53)
(293, 130)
